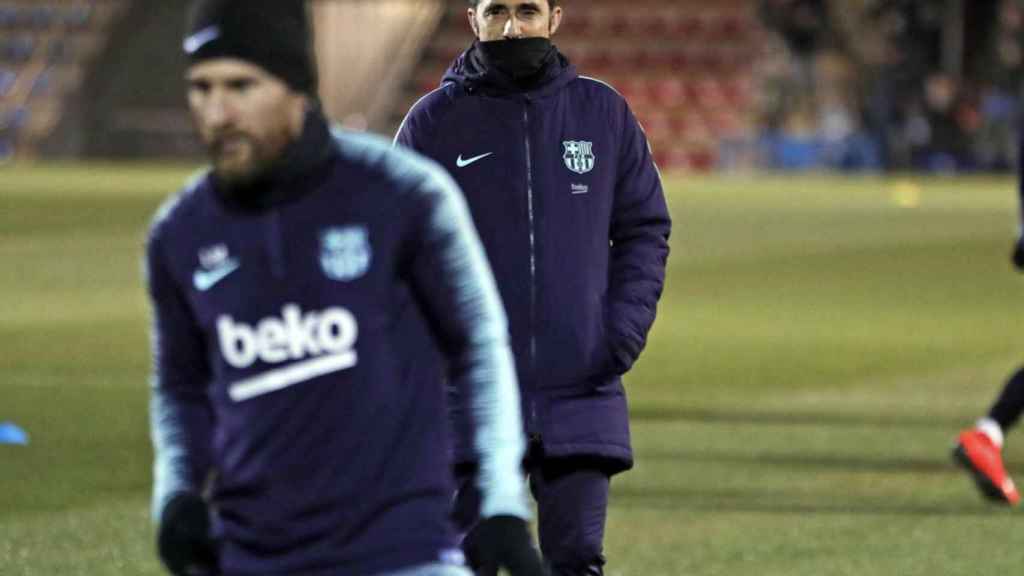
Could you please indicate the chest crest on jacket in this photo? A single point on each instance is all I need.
(345, 252)
(579, 156)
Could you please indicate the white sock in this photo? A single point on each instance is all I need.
(991, 428)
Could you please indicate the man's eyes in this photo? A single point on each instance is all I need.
(500, 11)
(241, 85)
(199, 86)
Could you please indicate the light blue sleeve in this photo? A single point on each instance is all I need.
(171, 462)
(456, 285)
(181, 418)
(484, 365)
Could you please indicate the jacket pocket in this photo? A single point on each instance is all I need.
(618, 362)
(604, 363)
(572, 344)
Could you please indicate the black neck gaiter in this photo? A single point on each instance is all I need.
(521, 59)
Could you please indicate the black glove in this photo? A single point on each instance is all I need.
(184, 541)
(1018, 255)
(502, 542)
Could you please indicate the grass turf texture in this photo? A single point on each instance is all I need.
(820, 342)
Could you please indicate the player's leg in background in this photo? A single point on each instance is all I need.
(1006, 410)
(572, 506)
(979, 449)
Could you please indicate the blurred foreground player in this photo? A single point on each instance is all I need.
(980, 449)
(293, 430)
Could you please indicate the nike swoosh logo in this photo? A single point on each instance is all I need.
(203, 280)
(463, 163)
(196, 41)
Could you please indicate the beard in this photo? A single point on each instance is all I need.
(240, 159)
(237, 159)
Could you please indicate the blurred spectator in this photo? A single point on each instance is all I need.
(1001, 90)
(809, 107)
(803, 24)
(840, 133)
(909, 47)
(777, 93)
(41, 84)
(57, 51)
(77, 17)
(10, 122)
(937, 130)
(7, 80)
(913, 26)
(8, 16)
(804, 27)
(39, 17)
(17, 49)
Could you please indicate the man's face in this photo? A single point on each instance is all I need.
(500, 19)
(244, 115)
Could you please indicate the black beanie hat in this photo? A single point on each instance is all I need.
(272, 34)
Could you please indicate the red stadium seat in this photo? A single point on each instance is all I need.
(681, 125)
(730, 26)
(657, 24)
(642, 58)
(736, 92)
(635, 91)
(617, 26)
(701, 159)
(698, 128)
(669, 91)
(709, 94)
(660, 158)
(725, 124)
(661, 58)
(689, 27)
(680, 61)
(581, 22)
(676, 157)
(656, 124)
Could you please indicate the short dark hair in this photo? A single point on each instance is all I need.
(475, 3)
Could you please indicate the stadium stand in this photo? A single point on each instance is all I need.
(798, 84)
(730, 84)
(44, 49)
(684, 66)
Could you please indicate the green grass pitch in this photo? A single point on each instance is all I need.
(820, 342)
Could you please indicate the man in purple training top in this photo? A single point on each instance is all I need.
(570, 208)
(980, 449)
(294, 432)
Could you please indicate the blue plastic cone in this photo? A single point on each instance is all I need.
(10, 433)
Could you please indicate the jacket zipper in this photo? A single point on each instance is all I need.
(532, 425)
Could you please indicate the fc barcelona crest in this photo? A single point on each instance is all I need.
(579, 156)
(345, 252)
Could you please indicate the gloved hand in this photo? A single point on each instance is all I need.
(502, 542)
(1018, 254)
(184, 541)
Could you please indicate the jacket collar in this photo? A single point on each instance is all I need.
(471, 72)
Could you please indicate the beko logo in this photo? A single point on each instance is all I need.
(314, 343)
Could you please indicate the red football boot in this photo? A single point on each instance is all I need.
(976, 452)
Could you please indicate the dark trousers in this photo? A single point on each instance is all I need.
(1010, 403)
(572, 505)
